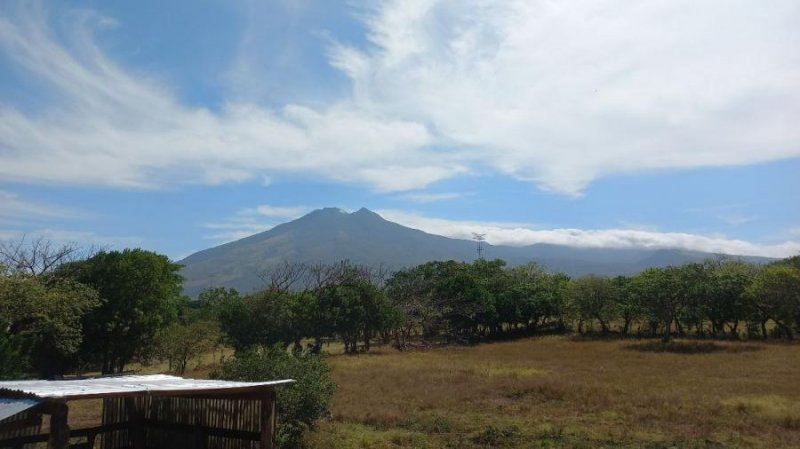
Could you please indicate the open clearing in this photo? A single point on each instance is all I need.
(560, 392)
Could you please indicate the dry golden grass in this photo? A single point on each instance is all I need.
(558, 392)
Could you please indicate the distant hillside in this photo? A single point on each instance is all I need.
(364, 237)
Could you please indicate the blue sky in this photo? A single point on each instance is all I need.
(176, 126)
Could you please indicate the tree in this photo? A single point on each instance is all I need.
(48, 315)
(140, 293)
(357, 310)
(262, 318)
(299, 405)
(721, 294)
(595, 299)
(180, 343)
(541, 296)
(628, 305)
(775, 292)
(662, 297)
(212, 301)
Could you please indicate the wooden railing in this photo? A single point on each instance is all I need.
(201, 434)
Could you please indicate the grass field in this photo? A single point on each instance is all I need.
(559, 392)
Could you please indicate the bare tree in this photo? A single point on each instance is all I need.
(314, 277)
(286, 275)
(37, 256)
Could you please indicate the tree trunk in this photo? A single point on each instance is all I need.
(603, 326)
(667, 332)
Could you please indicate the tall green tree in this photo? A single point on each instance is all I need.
(628, 306)
(140, 293)
(723, 294)
(595, 299)
(47, 313)
(663, 297)
(775, 292)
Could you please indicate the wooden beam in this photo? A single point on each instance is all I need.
(267, 420)
(59, 429)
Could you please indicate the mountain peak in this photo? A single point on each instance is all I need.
(335, 212)
(331, 210)
(364, 212)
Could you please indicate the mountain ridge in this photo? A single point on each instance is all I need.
(331, 234)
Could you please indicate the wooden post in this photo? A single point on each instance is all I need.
(136, 429)
(59, 429)
(267, 420)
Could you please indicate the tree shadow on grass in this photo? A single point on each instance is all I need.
(692, 347)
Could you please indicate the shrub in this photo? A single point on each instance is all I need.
(298, 405)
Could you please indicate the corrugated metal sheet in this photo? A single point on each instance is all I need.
(124, 384)
(10, 407)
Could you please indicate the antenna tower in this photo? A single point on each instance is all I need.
(479, 239)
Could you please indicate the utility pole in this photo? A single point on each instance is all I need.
(479, 239)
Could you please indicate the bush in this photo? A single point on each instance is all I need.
(298, 405)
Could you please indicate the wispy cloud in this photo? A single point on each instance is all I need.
(20, 217)
(735, 219)
(730, 214)
(251, 220)
(14, 209)
(84, 239)
(556, 93)
(432, 197)
(279, 211)
(520, 234)
(138, 132)
(235, 228)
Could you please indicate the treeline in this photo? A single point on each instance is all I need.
(61, 312)
(456, 302)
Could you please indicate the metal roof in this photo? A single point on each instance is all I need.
(129, 385)
(10, 407)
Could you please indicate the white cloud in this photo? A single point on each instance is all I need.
(520, 234)
(734, 219)
(108, 126)
(556, 93)
(561, 93)
(432, 197)
(279, 211)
